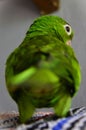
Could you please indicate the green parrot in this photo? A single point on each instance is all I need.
(43, 71)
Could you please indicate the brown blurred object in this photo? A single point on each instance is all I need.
(47, 6)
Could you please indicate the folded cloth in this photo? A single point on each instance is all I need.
(75, 120)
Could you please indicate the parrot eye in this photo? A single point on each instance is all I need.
(67, 29)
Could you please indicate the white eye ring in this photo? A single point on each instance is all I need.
(68, 29)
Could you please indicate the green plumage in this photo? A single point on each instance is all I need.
(43, 71)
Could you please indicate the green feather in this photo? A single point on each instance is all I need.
(43, 71)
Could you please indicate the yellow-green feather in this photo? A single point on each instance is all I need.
(43, 71)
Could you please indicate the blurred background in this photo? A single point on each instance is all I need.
(15, 19)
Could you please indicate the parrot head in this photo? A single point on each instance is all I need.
(60, 28)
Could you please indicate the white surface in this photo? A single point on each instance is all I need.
(15, 18)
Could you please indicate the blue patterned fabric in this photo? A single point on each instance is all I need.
(76, 120)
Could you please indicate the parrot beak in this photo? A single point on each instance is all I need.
(68, 42)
